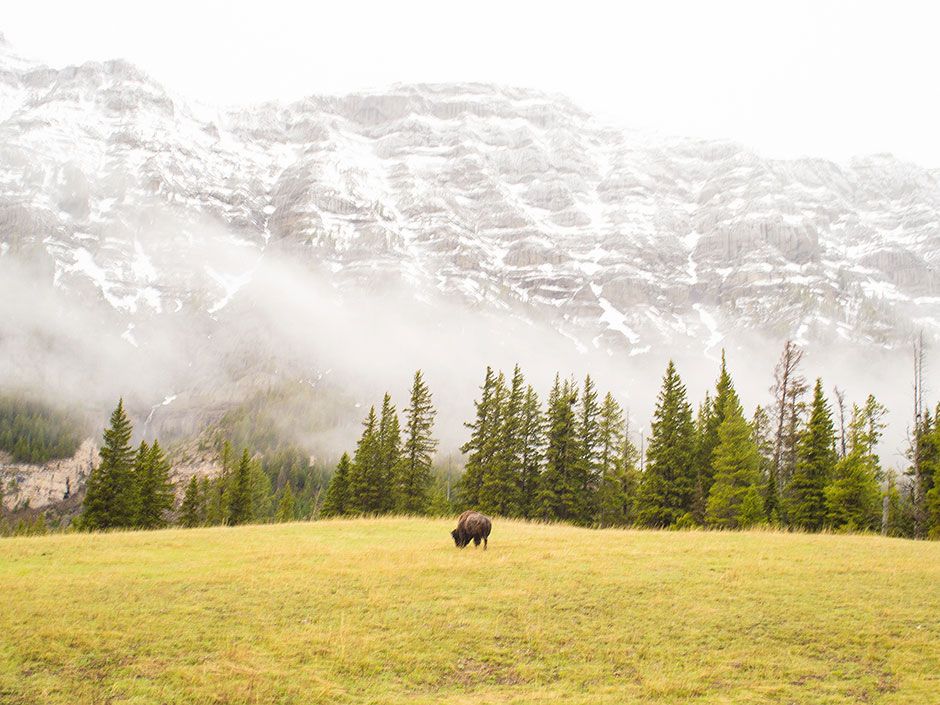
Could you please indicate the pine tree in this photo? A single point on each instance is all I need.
(589, 443)
(414, 475)
(217, 493)
(854, 498)
(499, 493)
(141, 465)
(156, 495)
(761, 427)
(366, 488)
(206, 485)
(480, 446)
(560, 489)
(816, 458)
(111, 493)
(262, 495)
(389, 445)
(286, 508)
(724, 389)
(702, 451)
(189, 509)
(931, 475)
(532, 437)
(734, 501)
(336, 502)
(240, 510)
(667, 486)
(619, 476)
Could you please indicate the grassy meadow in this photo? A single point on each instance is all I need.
(388, 611)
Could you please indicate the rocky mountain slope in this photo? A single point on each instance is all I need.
(136, 227)
(505, 198)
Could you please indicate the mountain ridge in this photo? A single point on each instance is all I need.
(148, 211)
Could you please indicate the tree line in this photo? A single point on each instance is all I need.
(805, 460)
(797, 462)
(35, 433)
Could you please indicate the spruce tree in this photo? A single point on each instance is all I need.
(336, 502)
(815, 461)
(206, 485)
(286, 508)
(141, 464)
(262, 495)
(589, 442)
(854, 498)
(367, 492)
(667, 486)
(532, 437)
(480, 446)
(499, 493)
(734, 501)
(111, 493)
(762, 429)
(189, 509)
(724, 390)
(240, 510)
(559, 487)
(702, 452)
(620, 478)
(156, 496)
(389, 444)
(414, 475)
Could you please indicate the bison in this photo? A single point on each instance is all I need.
(471, 526)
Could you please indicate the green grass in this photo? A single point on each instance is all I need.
(388, 611)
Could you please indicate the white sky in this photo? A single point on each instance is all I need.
(823, 78)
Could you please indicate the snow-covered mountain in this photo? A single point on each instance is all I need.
(502, 198)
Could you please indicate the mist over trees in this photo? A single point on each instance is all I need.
(805, 461)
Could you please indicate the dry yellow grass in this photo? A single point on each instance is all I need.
(388, 611)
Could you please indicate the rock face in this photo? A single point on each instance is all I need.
(501, 197)
(38, 485)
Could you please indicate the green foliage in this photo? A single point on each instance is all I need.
(734, 501)
(413, 476)
(531, 432)
(479, 447)
(368, 489)
(389, 457)
(588, 470)
(336, 502)
(761, 427)
(112, 492)
(853, 498)
(192, 510)
(269, 424)
(714, 418)
(286, 507)
(620, 478)
(500, 490)
(667, 487)
(155, 489)
(816, 459)
(33, 432)
(560, 486)
(240, 509)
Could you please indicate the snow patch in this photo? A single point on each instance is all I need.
(615, 320)
(710, 324)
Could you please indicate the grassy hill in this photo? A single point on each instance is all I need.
(388, 611)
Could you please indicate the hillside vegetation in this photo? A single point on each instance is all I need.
(388, 611)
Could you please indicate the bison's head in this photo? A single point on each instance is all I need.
(458, 541)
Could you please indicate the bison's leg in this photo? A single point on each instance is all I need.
(476, 541)
(484, 543)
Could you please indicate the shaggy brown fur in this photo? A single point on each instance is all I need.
(472, 526)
